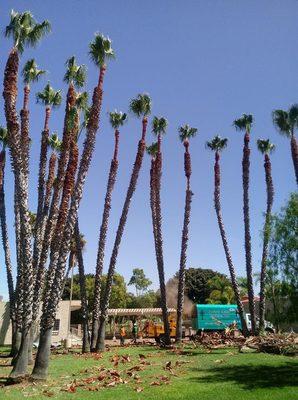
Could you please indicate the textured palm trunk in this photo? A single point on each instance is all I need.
(247, 235)
(5, 242)
(54, 208)
(294, 151)
(52, 301)
(266, 238)
(49, 186)
(159, 240)
(100, 345)
(82, 280)
(217, 206)
(184, 243)
(102, 243)
(14, 139)
(25, 140)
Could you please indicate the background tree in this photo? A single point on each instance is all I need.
(185, 133)
(286, 122)
(139, 281)
(141, 107)
(265, 147)
(244, 124)
(221, 291)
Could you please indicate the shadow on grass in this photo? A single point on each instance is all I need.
(253, 377)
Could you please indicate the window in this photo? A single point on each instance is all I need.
(56, 326)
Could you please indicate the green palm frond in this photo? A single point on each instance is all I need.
(152, 149)
(217, 143)
(24, 30)
(186, 132)
(159, 125)
(49, 97)
(117, 119)
(75, 74)
(293, 115)
(82, 101)
(141, 105)
(54, 142)
(281, 121)
(30, 72)
(3, 136)
(244, 123)
(100, 50)
(265, 146)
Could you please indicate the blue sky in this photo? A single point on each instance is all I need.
(203, 63)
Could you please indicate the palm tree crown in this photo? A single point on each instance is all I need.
(244, 123)
(265, 146)
(117, 119)
(159, 125)
(24, 30)
(100, 50)
(3, 136)
(54, 142)
(186, 132)
(217, 143)
(141, 105)
(31, 73)
(286, 121)
(152, 149)
(75, 74)
(82, 101)
(49, 97)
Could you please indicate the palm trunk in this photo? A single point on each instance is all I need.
(49, 186)
(247, 236)
(294, 151)
(25, 140)
(122, 222)
(52, 301)
(159, 240)
(184, 244)
(10, 95)
(102, 243)
(267, 226)
(217, 207)
(82, 280)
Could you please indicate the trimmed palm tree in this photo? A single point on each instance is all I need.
(30, 74)
(266, 148)
(117, 119)
(286, 122)
(159, 127)
(218, 144)
(141, 107)
(25, 31)
(152, 152)
(100, 51)
(244, 123)
(185, 133)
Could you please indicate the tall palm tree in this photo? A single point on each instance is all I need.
(218, 144)
(286, 122)
(159, 127)
(244, 123)
(141, 107)
(185, 133)
(25, 31)
(100, 51)
(30, 74)
(5, 242)
(117, 119)
(152, 151)
(265, 147)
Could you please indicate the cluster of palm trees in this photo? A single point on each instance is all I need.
(44, 245)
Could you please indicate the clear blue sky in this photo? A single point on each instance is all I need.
(203, 63)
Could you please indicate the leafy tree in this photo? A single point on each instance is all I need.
(221, 291)
(139, 281)
(148, 299)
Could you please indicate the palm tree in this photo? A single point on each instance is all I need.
(244, 124)
(25, 31)
(286, 122)
(141, 107)
(30, 74)
(185, 133)
(221, 291)
(265, 148)
(159, 127)
(117, 119)
(5, 242)
(218, 144)
(100, 51)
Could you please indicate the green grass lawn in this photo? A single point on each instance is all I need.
(193, 374)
